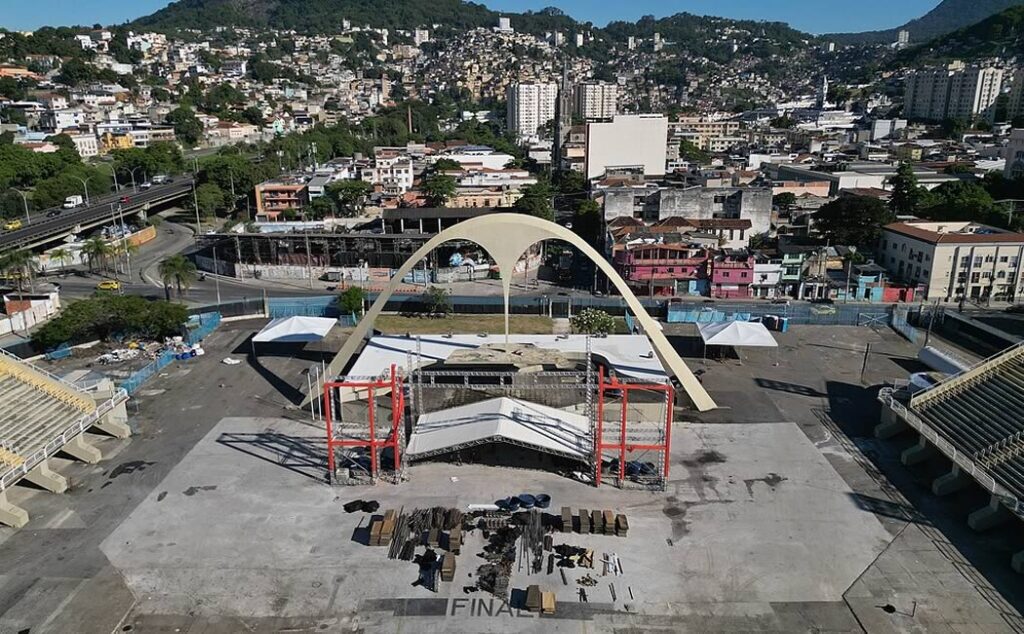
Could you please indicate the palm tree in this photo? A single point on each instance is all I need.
(20, 264)
(96, 250)
(125, 249)
(177, 269)
(63, 256)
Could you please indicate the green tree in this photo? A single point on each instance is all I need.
(210, 198)
(62, 256)
(960, 200)
(592, 321)
(96, 251)
(907, 196)
(179, 270)
(586, 221)
(349, 195)
(445, 165)
(186, 126)
(688, 151)
(439, 189)
(100, 317)
(19, 264)
(437, 301)
(536, 201)
(320, 208)
(785, 200)
(853, 220)
(351, 301)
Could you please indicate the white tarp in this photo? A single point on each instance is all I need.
(295, 330)
(524, 423)
(739, 334)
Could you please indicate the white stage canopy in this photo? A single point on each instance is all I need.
(739, 334)
(538, 427)
(295, 330)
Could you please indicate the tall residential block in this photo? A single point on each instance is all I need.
(954, 92)
(596, 100)
(530, 106)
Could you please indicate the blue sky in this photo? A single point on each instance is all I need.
(815, 16)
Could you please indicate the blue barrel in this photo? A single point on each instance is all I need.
(513, 504)
(527, 501)
(543, 501)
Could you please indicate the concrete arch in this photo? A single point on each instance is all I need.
(506, 237)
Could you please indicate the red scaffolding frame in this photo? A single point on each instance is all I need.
(372, 442)
(623, 446)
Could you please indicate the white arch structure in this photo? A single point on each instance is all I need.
(506, 237)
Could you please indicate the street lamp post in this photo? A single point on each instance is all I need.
(135, 187)
(1013, 202)
(195, 200)
(113, 172)
(24, 201)
(85, 184)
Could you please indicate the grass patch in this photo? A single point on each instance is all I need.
(463, 325)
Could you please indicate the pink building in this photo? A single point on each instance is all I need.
(732, 272)
(664, 269)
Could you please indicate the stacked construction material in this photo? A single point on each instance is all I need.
(596, 522)
(584, 521)
(566, 519)
(448, 567)
(609, 523)
(621, 525)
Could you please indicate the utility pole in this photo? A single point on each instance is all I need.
(195, 200)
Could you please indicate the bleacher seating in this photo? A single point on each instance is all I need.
(981, 412)
(36, 408)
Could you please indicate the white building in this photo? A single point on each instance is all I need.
(596, 100)
(86, 144)
(627, 141)
(477, 156)
(530, 106)
(421, 36)
(395, 174)
(1016, 104)
(954, 92)
(1015, 154)
(504, 25)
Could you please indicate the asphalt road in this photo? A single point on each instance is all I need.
(42, 226)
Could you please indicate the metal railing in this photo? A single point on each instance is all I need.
(977, 370)
(12, 475)
(49, 375)
(959, 458)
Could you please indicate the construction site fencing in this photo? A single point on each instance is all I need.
(901, 324)
(245, 307)
(205, 324)
(796, 314)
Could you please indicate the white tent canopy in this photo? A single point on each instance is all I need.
(739, 334)
(295, 330)
(519, 422)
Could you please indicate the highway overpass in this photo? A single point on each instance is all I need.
(43, 230)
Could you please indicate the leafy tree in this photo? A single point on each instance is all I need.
(688, 151)
(210, 198)
(592, 321)
(158, 158)
(586, 221)
(179, 270)
(19, 264)
(61, 255)
(906, 196)
(351, 301)
(853, 220)
(960, 200)
(320, 208)
(536, 201)
(349, 195)
(100, 317)
(785, 200)
(438, 302)
(186, 126)
(446, 165)
(439, 189)
(783, 122)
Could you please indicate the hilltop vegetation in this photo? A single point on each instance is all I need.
(999, 35)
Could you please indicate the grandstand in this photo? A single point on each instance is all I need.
(42, 415)
(976, 418)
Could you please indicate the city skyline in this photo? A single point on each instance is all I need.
(801, 14)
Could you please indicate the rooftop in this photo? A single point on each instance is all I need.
(954, 232)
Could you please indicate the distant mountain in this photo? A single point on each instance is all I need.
(949, 16)
(327, 15)
(999, 35)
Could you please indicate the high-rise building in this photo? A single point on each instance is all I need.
(504, 25)
(903, 39)
(596, 100)
(822, 97)
(627, 141)
(954, 92)
(530, 106)
(1016, 103)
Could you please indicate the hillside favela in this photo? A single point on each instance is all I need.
(457, 317)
